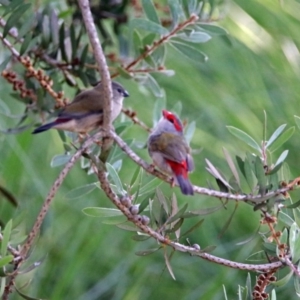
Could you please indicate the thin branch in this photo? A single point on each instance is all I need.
(137, 220)
(100, 60)
(197, 189)
(191, 20)
(46, 205)
(132, 115)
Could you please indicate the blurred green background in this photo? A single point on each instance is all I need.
(86, 259)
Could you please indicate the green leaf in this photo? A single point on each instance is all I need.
(294, 242)
(275, 135)
(190, 52)
(25, 43)
(189, 131)
(54, 28)
(297, 283)
(115, 220)
(286, 219)
(159, 55)
(279, 162)
(6, 260)
(101, 212)
(27, 26)
(6, 237)
(147, 252)
(62, 45)
(202, 212)
(260, 175)
(176, 11)
(294, 205)
(162, 199)
(26, 296)
(282, 139)
(297, 120)
(159, 105)
(148, 26)
(232, 166)
(214, 172)
(14, 18)
(194, 37)
(194, 227)
(81, 191)
(150, 11)
(168, 264)
(178, 215)
(115, 178)
(59, 160)
(150, 186)
(249, 175)
(154, 87)
(140, 237)
(283, 281)
(243, 136)
(212, 29)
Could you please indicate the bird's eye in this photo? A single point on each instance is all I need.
(120, 91)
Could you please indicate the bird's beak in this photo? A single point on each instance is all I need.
(125, 94)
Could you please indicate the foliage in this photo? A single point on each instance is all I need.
(158, 47)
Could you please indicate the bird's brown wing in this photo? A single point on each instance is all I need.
(171, 146)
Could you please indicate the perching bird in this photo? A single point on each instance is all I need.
(170, 151)
(85, 112)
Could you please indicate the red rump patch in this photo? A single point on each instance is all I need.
(173, 119)
(178, 168)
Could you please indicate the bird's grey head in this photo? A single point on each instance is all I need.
(118, 90)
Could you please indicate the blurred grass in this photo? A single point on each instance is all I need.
(86, 259)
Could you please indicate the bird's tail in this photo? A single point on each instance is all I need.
(44, 127)
(185, 185)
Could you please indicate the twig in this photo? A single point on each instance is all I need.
(191, 20)
(132, 115)
(100, 60)
(136, 219)
(200, 190)
(46, 205)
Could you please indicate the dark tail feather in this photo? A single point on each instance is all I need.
(43, 128)
(185, 185)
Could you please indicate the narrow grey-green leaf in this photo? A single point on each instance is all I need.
(194, 37)
(297, 120)
(154, 87)
(26, 296)
(282, 139)
(286, 219)
(15, 17)
(283, 281)
(232, 166)
(5, 260)
(162, 199)
(115, 178)
(189, 131)
(5, 238)
(243, 136)
(148, 26)
(260, 175)
(190, 52)
(150, 186)
(150, 11)
(146, 252)
(249, 175)
(59, 160)
(202, 212)
(213, 29)
(159, 105)
(101, 212)
(282, 157)
(275, 135)
(194, 227)
(211, 168)
(81, 191)
(178, 215)
(176, 11)
(294, 242)
(168, 264)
